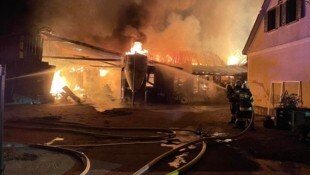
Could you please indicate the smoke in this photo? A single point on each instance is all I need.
(132, 19)
(188, 87)
(198, 26)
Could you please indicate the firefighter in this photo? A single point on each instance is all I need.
(245, 109)
(233, 97)
(230, 96)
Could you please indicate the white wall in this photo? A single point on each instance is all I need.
(289, 62)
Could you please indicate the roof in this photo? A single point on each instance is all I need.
(257, 23)
(219, 70)
(57, 47)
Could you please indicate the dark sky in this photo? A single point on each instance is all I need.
(200, 26)
(14, 15)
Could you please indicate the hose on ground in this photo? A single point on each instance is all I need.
(203, 139)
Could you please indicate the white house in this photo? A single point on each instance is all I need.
(278, 50)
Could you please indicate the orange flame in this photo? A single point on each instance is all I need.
(137, 48)
(58, 83)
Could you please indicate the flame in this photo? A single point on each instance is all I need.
(77, 69)
(58, 83)
(77, 88)
(79, 91)
(137, 48)
(237, 58)
(233, 60)
(103, 72)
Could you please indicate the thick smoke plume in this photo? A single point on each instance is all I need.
(165, 27)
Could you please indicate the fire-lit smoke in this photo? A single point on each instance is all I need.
(236, 59)
(191, 87)
(199, 26)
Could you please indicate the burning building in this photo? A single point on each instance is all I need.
(42, 65)
(147, 80)
(39, 65)
(91, 72)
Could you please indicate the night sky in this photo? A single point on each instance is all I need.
(15, 15)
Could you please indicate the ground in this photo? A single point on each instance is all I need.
(264, 151)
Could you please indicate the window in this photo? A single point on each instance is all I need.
(291, 11)
(271, 20)
(274, 18)
(285, 13)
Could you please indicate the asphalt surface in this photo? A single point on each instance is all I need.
(264, 151)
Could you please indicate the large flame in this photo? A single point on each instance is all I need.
(236, 59)
(58, 83)
(233, 60)
(137, 48)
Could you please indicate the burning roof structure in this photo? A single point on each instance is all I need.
(57, 47)
(42, 63)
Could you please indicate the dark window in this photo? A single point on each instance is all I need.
(303, 8)
(285, 13)
(271, 21)
(291, 11)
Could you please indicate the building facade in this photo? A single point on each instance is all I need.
(278, 50)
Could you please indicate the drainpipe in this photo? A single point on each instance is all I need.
(2, 85)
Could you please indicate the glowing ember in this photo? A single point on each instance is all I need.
(137, 48)
(103, 72)
(58, 83)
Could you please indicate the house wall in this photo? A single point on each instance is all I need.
(285, 34)
(282, 54)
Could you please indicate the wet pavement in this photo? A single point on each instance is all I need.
(22, 159)
(264, 151)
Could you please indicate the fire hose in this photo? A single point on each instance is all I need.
(163, 138)
(203, 139)
(83, 157)
(170, 134)
(78, 154)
